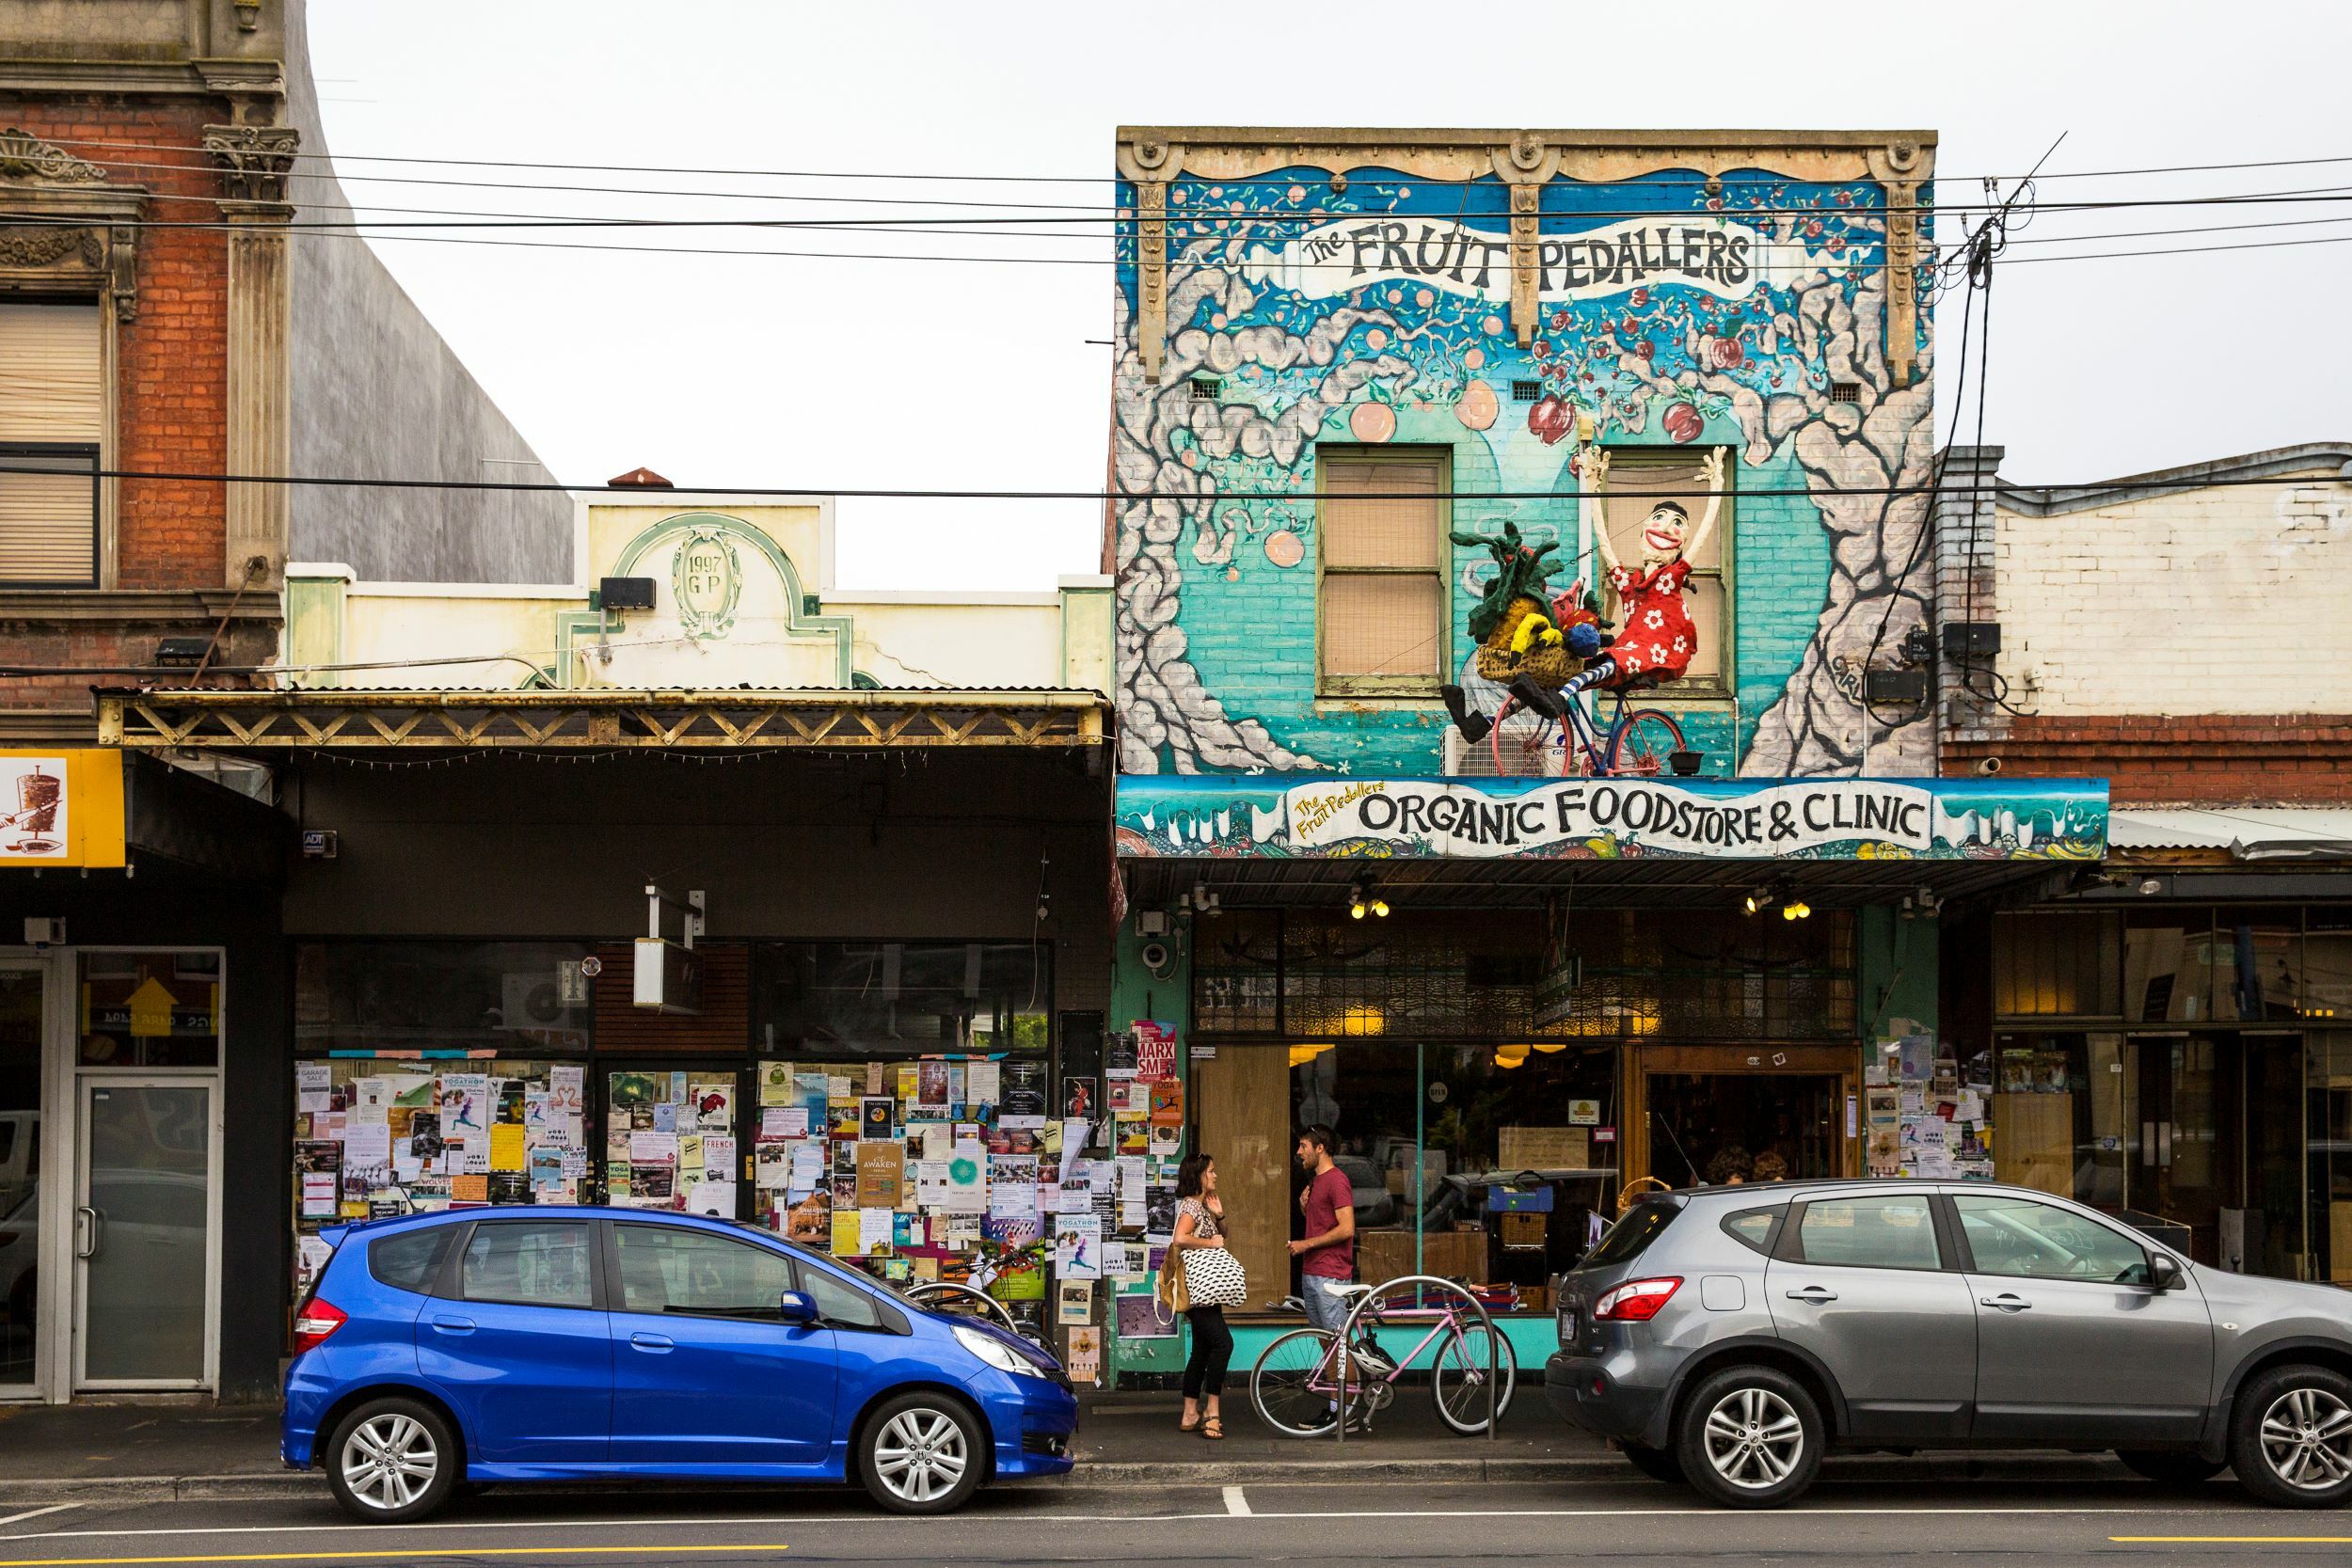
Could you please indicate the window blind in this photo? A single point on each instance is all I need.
(51, 418)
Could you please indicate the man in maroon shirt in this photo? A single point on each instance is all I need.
(1327, 1251)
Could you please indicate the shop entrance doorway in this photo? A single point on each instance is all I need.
(1696, 1115)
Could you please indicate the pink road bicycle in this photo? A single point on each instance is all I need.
(1295, 1383)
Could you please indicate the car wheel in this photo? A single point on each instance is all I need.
(1749, 1437)
(1657, 1463)
(922, 1454)
(393, 1461)
(2171, 1466)
(2291, 1437)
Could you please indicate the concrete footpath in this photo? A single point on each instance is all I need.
(151, 1452)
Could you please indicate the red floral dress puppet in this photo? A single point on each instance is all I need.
(1655, 637)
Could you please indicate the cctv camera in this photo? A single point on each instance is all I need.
(1156, 957)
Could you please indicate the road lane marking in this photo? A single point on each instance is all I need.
(1009, 1516)
(707, 1548)
(37, 1512)
(2239, 1540)
(1235, 1504)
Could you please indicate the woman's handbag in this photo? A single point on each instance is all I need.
(1215, 1277)
(1172, 1293)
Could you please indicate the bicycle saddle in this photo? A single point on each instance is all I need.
(1351, 1289)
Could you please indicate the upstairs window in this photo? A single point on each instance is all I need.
(52, 419)
(1638, 481)
(1381, 625)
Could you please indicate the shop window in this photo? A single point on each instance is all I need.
(534, 1263)
(2328, 1085)
(1381, 611)
(1891, 1231)
(2056, 964)
(698, 1274)
(2258, 972)
(149, 1009)
(516, 997)
(1637, 479)
(888, 999)
(53, 419)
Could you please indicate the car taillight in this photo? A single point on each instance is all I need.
(314, 1322)
(1635, 1302)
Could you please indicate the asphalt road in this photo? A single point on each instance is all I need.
(1631, 1523)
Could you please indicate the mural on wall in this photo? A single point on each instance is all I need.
(1375, 309)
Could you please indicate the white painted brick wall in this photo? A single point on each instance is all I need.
(2230, 600)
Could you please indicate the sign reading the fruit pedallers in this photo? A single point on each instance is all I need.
(1703, 250)
(1609, 819)
(62, 808)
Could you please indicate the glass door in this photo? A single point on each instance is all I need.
(22, 1340)
(2188, 1148)
(143, 1231)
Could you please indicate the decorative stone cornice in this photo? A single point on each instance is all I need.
(26, 156)
(255, 159)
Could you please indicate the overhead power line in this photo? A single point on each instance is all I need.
(1213, 498)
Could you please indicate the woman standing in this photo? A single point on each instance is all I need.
(1200, 1223)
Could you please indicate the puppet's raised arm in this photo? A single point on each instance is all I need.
(1592, 473)
(1697, 540)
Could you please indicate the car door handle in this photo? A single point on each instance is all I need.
(2007, 1302)
(653, 1344)
(452, 1325)
(1813, 1295)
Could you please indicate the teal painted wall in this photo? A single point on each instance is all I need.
(1138, 993)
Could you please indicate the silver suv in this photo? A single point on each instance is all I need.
(1730, 1336)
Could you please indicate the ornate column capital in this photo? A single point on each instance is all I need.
(255, 159)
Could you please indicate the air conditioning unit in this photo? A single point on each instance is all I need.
(534, 999)
(1523, 746)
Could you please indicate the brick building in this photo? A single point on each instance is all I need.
(2184, 1009)
(160, 329)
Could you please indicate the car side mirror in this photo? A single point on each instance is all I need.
(2163, 1272)
(797, 1307)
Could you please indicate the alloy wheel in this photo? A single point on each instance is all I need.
(2306, 1439)
(1754, 1439)
(921, 1455)
(388, 1461)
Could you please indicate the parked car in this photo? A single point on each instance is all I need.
(1731, 1335)
(575, 1344)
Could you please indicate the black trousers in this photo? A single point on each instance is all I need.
(1212, 1351)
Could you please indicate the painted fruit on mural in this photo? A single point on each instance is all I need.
(1552, 420)
(1284, 548)
(1477, 406)
(1371, 422)
(1682, 422)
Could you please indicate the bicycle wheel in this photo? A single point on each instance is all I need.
(1295, 1384)
(1645, 738)
(1520, 742)
(1457, 1379)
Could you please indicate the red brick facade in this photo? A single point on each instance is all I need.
(2192, 760)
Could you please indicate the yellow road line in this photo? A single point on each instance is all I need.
(406, 1556)
(2213, 1540)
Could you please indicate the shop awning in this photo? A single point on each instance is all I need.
(2243, 832)
(735, 719)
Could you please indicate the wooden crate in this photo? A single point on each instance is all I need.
(1385, 1255)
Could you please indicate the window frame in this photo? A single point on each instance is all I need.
(452, 1284)
(1407, 688)
(1722, 685)
(105, 524)
(620, 1285)
(1790, 1244)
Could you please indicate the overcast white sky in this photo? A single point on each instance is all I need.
(835, 374)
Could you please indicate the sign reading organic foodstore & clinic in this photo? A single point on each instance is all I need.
(62, 808)
(1583, 818)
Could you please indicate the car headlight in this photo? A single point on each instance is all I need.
(994, 1351)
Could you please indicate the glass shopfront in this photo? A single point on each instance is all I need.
(2188, 1064)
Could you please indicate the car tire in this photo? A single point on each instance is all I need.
(922, 1452)
(2171, 1466)
(393, 1461)
(2291, 1437)
(1749, 1437)
(1657, 1463)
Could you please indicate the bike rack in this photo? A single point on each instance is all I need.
(1485, 1318)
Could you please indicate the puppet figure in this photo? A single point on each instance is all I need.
(1656, 638)
(1526, 638)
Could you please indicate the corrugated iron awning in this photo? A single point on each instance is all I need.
(2243, 832)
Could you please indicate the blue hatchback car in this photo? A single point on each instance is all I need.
(461, 1349)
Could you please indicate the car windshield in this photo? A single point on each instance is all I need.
(1636, 1230)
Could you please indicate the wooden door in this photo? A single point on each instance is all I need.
(1243, 1122)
